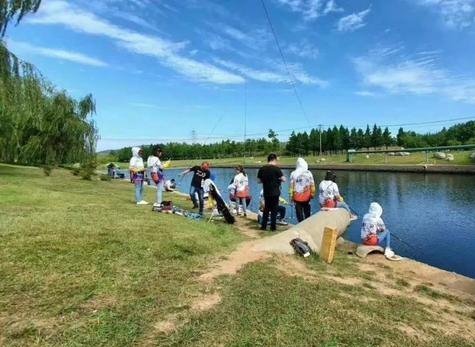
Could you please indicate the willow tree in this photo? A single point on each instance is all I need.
(15, 10)
(38, 123)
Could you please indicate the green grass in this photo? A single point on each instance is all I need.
(402, 282)
(460, 158)
(81, 265)
(264, 307)
(435, 294)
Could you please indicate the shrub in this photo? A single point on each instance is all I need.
(88, 169)
(105, 177)
(47, 169)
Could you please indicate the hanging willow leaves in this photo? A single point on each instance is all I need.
(39, 125)
(15, 10)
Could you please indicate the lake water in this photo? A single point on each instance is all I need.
(434, 213)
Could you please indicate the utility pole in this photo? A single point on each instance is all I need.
(320, 133)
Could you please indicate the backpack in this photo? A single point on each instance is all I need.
(301, 247)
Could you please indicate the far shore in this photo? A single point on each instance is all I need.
(416, 162)
(426, 168)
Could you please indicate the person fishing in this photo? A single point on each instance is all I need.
(374, 232)
(200, 174)
(302, 189)
(156, 173)
(242, 195)
(271, 177)
(170, 185)
(329, 195)
(137, 169)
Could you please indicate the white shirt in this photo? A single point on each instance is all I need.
(154, 163)
(327, 190)
(241, 182)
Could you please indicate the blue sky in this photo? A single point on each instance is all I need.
(161, 69)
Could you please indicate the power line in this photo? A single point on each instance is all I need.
(289, 72)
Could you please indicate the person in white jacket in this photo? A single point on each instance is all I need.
(156, 173)
(373, 230)
(137, 171)
(329, 195)
(302, 189)
(241, 184)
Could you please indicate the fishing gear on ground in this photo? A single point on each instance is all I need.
(301, 247)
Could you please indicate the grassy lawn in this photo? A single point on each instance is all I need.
(267, 306)
(81, 265)
(460, 158)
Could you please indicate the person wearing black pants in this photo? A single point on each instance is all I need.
(271, 177)
(302, 210)
(200, 174)
(271, 206)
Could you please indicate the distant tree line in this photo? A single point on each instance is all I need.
(223, 149)
(39, 125)
(334, 140)
(338, 139)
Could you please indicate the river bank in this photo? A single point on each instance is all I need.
(415, 162)
(83, 265)
(422, 168)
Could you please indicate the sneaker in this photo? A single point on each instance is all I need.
(282, 222)
(156, 204)
(143, 202)
(353, 217)
(389, 253)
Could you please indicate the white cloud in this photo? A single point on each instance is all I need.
(254, 39)
(303, 49)
(279, 76)
(331, 6)
(144, 105)
(387, 70)
(455, 13)
(167, 52)
(258, 75)
(365, 93)
(312, 9)
(134, 19)
(353, 21)
(75, 57)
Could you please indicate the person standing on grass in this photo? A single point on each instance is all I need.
(156, 173)
(137, 170)
(241, 182)
(302, 189)
(271, 177)
(200, 174)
